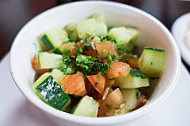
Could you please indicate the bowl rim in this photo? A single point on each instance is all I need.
(91, 120)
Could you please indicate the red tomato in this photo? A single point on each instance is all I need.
(74, 84)
(103, 48)
(69, 46)
(91, 91)
(118, 69)
(98, 82)
(133, 62)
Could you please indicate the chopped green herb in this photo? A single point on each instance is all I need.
(73, 109)
(80, 50)
(120, 56)
(137, 94)
(87, 45)
(111, 58)
(104, 52)
(91, 65)
(116, 108)
(68, 60)
(96, 84)
(71, 39)
(110, 91)
(63, 68)
(85, 64)
(66, 52)
(67, 69)
(88, 35)
(121, 49)
(40, 50)
(137, 73)
(108, 106)
(107, 38)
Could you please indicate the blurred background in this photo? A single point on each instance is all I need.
(15, 13)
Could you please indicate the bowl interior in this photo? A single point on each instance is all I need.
(153, 35)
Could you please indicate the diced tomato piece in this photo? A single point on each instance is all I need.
(103, 48)
(69, 46)
(113, 100)
(91, 91)
(133, 61)
(36, 65)
(98, 82)
(74, 84)
(91, 52)
(118, 69)
(110, 82)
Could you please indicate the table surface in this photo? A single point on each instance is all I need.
(15, 13)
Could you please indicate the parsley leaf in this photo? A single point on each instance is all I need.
(96, 84)
(108, 106)
(121, 49)
(107, 38)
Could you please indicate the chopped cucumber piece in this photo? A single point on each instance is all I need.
(131, 97)
(96, 39)
(64, 46)
(51, 92)
(134, 33)
(120, 34)
(57, 75)
(56, 50)
(72, 31)
(70, 27)
(99, 17)
(152, 62)
(91, 26)
(123, 35)
(43, 47)
(87, 107)
(49, 60)
(54, 38)
(135, 79)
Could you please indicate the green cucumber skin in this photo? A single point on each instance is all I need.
(57, 51)
(135, 79)
(47, 42)
(148, 48)
(52, 93)
(137, 73)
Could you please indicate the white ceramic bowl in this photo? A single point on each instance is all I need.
(179, 30)
(154, 33)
